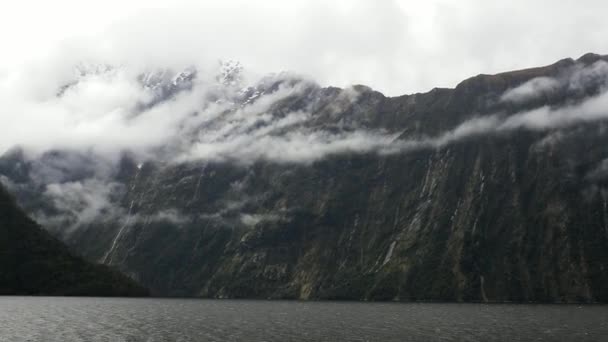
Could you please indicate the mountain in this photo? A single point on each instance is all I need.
(32, 262)
(495, 190)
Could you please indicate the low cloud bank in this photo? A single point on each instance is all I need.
(222, 115)
(96, 113)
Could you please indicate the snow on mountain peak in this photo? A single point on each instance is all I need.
(230, 73)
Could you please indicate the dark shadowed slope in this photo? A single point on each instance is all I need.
(34, 263)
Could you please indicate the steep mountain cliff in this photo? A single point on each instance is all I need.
(493, 191)
(34, 263)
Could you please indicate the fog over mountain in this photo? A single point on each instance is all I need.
(167, 155)
(99, 114)
(259, 150)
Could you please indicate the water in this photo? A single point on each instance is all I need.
(100, 319)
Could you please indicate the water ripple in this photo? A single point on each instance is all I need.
(51, 319)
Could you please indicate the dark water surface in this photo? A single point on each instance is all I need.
(100, 319)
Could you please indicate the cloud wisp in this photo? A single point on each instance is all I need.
(577, 79)
(181, 116)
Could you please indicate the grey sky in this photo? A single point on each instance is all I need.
(397, 47)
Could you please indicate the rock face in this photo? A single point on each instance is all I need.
(32, 262)
(495, 194)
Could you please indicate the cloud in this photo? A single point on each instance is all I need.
(253, 219)
(531, 90)
(472, 127)
(589, 109)
(231, 128)
(574, 79)
(539, 119)
(108, 103)
(544, 118)
(147, 80)
(100, 111)
(300, 146)
(81, 203)
(172, 216)
(580, 79)
(7, 183)
(105, 110)
(396, 46)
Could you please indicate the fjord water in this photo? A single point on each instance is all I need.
(120, 319)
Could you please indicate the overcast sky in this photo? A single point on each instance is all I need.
(396, 47)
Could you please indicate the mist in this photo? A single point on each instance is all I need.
(209, 83)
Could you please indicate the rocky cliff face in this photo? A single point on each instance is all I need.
(492, 191)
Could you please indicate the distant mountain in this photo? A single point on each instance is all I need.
(34, 263)
(496, 190)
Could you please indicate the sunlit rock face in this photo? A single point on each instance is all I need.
(493, 191)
